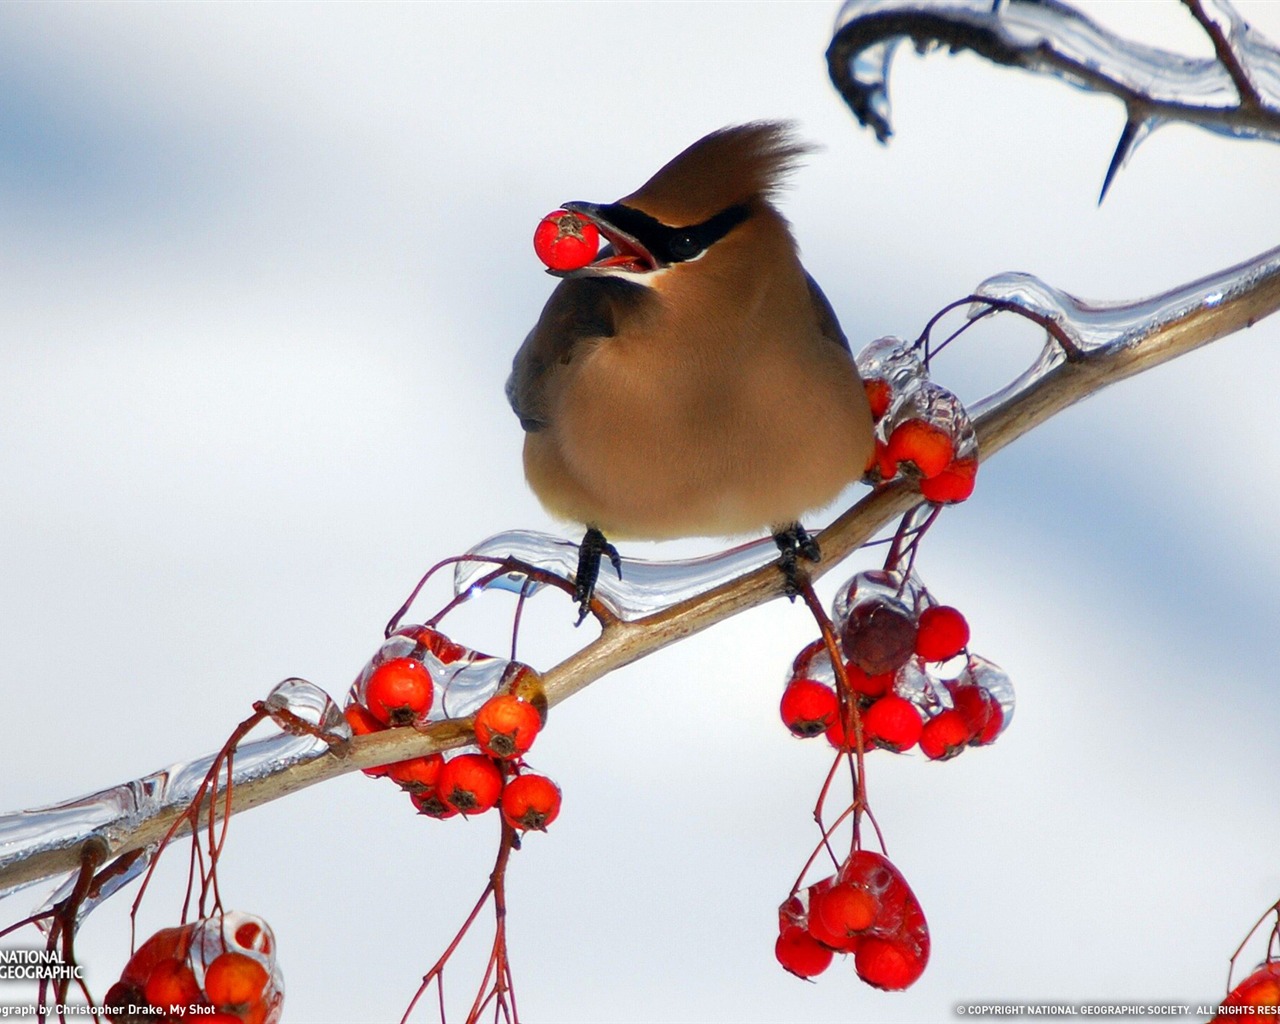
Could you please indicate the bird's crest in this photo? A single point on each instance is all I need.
(730, 166)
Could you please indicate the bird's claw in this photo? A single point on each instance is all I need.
(794, 543)
(593, 546)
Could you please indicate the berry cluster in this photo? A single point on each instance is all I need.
(565, 240)
(1256, 998)
(867, 909)
(219, 969)
(920, 426)
(411, 679)
(891, 634)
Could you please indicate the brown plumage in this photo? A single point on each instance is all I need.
(693, 381)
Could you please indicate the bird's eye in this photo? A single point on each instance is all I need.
(684, 246)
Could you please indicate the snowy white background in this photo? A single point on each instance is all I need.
(263, 272)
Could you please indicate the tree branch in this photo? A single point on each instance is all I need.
(1173, 324)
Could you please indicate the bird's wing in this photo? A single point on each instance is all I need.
(827, 322)
(581, 309)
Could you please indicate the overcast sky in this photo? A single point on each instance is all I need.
(264, 270)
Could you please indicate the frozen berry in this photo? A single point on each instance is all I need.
(398, 691)
(234, 979)
(981, 711)
(800, 953)
(831, 934)
(878, 637)
(953, 484)
(1255, 998)
(172, 986)
(879, 396)
(845, 911)
(945, 735)
(928, 447)
(887, 964)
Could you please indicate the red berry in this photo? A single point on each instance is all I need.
(445, 650)
(878, 637)
(942, 633)
(471, 783)
(945, 735)
(506, 726)
(530, 802)
(808, 707)
(172, 986)
(879, 396)
(398, 691)
(430, 803)
(876, 875)
(881, 466)
(865, 685)
(953, 484)
(844, 911)
(800, 953)
(887, 964)
(252, 935)
(893, 952)
(1260, 989)
(167, 943)
(930, 448)
(981, 711)
(417, 774)
(566, 241)
(234, 979)
(892, 722)
(833, 934)
(361, 721)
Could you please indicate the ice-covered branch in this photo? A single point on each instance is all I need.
(1236, 92)
(1108, 342)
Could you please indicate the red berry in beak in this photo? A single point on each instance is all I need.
(566, 241)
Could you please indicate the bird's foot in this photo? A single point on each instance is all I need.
(593, 546)
(795, 543)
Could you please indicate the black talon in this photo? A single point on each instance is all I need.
(794, 543)
(584, 583)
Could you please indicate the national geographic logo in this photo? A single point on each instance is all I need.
(37, 965)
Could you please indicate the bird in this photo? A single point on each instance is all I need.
(692, 380)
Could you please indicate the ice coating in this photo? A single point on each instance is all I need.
(936, 406)
(916, 683)
(112, 814)
(814, 662)
(100, 894)
(877, 586)
(892, 360)
(915, 680)
(301, 700)
(992, 678)
(1103, 327)
(1050, 38)
(646, 586)
(198, 945)
(462, 679)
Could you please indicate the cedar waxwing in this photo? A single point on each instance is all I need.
(693, 380)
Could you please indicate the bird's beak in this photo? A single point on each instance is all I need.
(623, 253)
